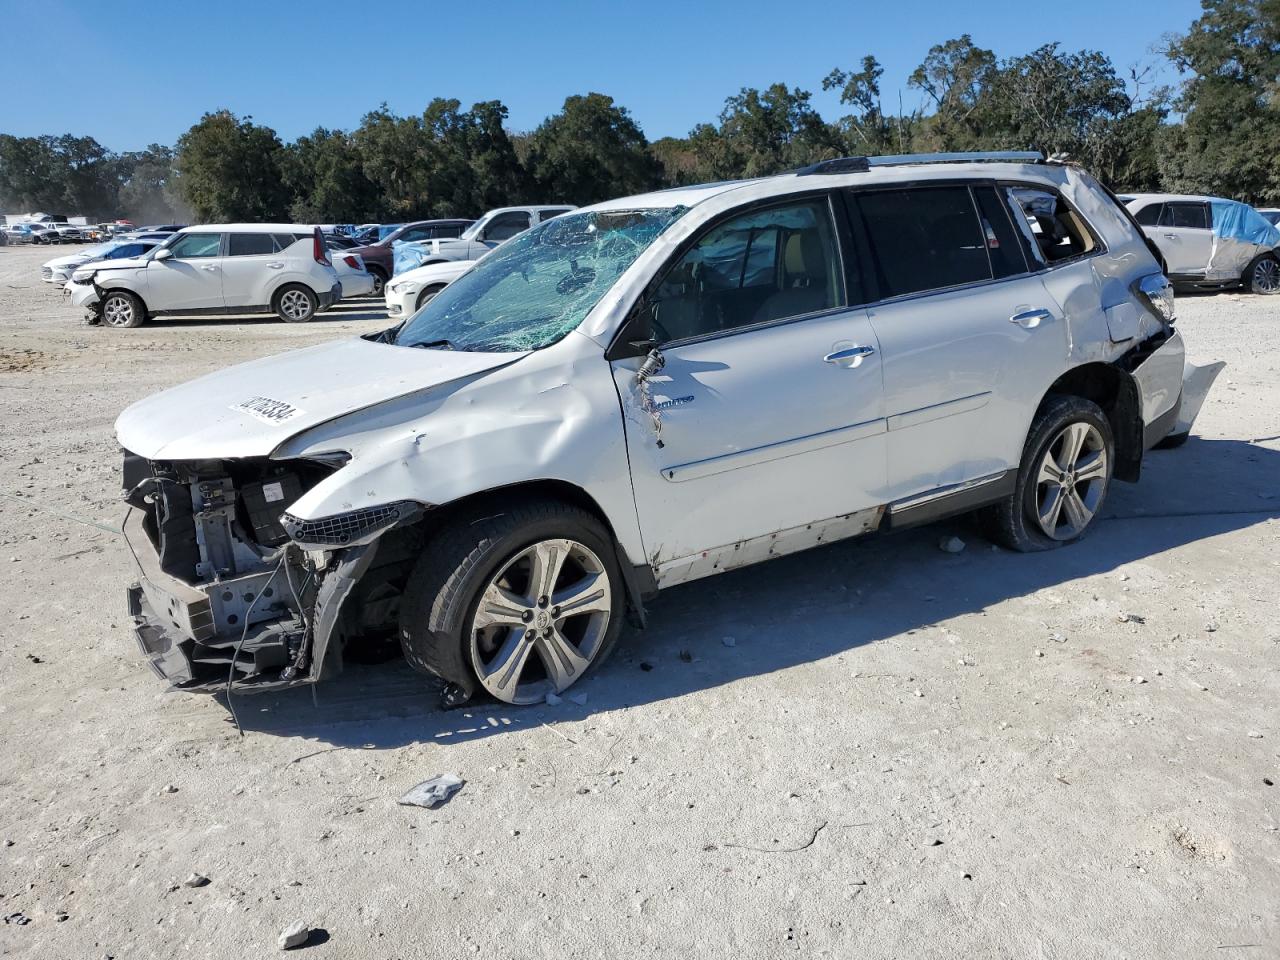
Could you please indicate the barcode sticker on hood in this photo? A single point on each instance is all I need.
(267, 410)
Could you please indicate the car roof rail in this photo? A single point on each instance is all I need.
(863, 164)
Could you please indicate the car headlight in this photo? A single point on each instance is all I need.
(404, 286)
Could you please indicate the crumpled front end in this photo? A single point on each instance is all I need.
(230, 589)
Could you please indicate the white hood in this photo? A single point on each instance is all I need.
(70, 260)
(250, 409)
(437, 272)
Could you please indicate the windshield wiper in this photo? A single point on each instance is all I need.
(435, 344)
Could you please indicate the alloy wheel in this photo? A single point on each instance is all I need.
(1266, 276)
(117, 312)
(1070, 481)
(540, 621)
(295, 305)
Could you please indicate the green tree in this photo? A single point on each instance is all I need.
(590, 151)
(147, 193)
(1227, 143)
(868, 130)
(956, 76)
(325, 175)
(229, 169)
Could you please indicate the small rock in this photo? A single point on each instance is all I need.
(1057, 638)
(1210, 627)
(1130, 618)
(579, 698)
(17, 919)
(33, 658)
(1255, 735)
(1039, 653)
(729, 641)
(1138, 679)
(169, 788)
(294, 935)
(61, 916)
(918, 693)
(196, 880)
(951, 544)
(553, 700)
(646, 666)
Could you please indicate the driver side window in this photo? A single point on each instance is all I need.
(756, 268)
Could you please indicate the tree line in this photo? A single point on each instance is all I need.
(1217, 132)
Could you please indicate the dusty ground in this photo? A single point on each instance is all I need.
(903, 753)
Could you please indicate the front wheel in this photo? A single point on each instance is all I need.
(1263, 275)
(1062, 480)
(427, 295)
(520, 604)
(121, 309)
(296, 304)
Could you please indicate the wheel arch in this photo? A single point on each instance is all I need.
(121, 288)
(1116, 392)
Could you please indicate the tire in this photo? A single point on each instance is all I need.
(1262, 276)
(295, 303)
(379, 283)
(427, 295)
(122, 310)
(445, 632)
(1045, 480)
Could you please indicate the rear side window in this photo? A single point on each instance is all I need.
(505, 226)
(1053, 232)
(250, 245)
(284, 241)
(1149, 215)
(1193, 216)
(190, 246)
(414, 234)
(1007, 259)
(926, 238)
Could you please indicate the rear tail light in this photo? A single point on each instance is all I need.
(1157, 293)
(319, 250)
(352, 262)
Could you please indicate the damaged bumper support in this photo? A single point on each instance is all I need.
(1171, 390)
(268, 628)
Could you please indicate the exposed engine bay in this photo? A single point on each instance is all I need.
(232, 590)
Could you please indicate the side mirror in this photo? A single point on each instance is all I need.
(164, 253)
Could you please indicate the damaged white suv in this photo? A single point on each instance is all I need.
(649, 391)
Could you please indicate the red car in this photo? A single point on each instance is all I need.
(378, 256)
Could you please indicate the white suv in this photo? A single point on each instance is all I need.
(280, 268)
(649, 391)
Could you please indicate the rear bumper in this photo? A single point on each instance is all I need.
(357, 285)
(1171, 390)
(332, 297)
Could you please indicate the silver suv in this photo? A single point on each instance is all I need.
(646, 392)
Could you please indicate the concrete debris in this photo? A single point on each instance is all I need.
(294, 935)
(434, 792)
(951, 544)
(196, 880)
(1130, 618)
(169, 788)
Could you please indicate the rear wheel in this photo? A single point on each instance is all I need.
(379, 283)
(296, 304)
(519, 604)
(1263, 275)
(1062, 480)
(122, 309)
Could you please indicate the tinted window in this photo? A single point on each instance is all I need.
(1051, 229)
(927, 238)
(1003, 246)
(554, 212)
(250, 245)
(505, 226)
(1194, 216)
(1149, 215)
(286, 240)
(755, 268)
(129, 250)
(450, 230)
(414, 234)
(191, 245)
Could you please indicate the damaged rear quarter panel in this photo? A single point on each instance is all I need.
(552, 415)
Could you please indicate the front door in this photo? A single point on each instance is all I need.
(763, 432)
(190, 279)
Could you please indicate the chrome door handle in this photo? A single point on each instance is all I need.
(1030, 319)
(275, 265)
(851, 353)
(1171, 236)
(211, 269)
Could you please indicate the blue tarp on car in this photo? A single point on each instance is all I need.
(406, 256)
(1239, 221)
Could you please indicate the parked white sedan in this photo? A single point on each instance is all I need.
(355, 279)
(407, 293)
(59, 269)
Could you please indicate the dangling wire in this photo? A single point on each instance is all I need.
(231, 670)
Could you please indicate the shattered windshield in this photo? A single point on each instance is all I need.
(535, 288)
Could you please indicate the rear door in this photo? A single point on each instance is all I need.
(251, 262)
(767, 415)
(190, 279)
(968, 332)
(1184, 236)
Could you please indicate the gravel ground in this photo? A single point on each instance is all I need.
(876, 749)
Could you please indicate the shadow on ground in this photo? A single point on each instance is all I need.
(357, 308)
(807, 607)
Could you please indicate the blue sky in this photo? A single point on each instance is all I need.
(131, 73)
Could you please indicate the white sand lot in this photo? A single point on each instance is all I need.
(905, 753)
